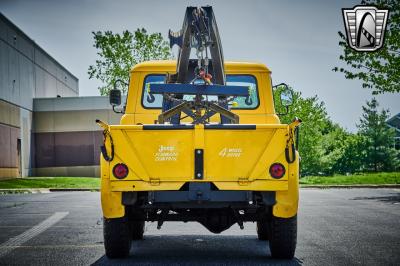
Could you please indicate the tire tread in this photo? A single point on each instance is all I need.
(283, 238)
(117, 238)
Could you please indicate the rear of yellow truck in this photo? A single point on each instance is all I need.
(213, 173)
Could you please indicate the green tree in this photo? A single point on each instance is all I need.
(380, 154)
(118, 53)
(353, 155)
(379, 70)
(318, 145)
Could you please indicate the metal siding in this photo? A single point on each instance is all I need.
(11, 33)
(32, 151)
(25, 47)
(78, 120)
(61, 149)
(4, 113)
(39, 82)
(44, 121)
(15, 135)
(39, 58)
(14, 45)
(75, 85)
(9, 114)
(44, 150)
(74, 148)
(73, 104)
(68, 92)
(50, 66)
(8, 146)
(4, 54)
(62, 90)
(26, 128)
(5, 136)
(14, 115)
(50, 85)
(70, 121)
(27, 89)
(72, 83)
(60, 74)
(98, 141)
(13, 78)
(3, 30)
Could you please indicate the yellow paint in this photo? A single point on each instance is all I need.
(287, 201)
(110, 201)
(233, 159)
(168, 155)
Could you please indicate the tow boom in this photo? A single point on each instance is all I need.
(201, 77)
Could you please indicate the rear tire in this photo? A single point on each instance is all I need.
(137, 230)
(117, 237)
(262, 230)
(283, 237)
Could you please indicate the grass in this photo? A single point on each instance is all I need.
(356, 179)
(94, 183)
(51, 182)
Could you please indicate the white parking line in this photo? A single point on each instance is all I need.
(14, 242)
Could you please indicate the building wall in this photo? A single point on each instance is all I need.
(394, 122)
(67, 139)
(26, 72)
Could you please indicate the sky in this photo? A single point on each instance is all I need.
(297, 40)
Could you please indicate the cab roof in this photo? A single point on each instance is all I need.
(170, 66)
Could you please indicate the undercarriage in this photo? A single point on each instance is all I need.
(199, 202)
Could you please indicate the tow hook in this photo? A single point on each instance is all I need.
(103, 149)
(238, 218)
(290, 150)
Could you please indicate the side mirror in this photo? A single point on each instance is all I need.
(286, 96)
(115, 97)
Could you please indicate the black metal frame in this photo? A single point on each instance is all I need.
(201, 195)
(200, 202)
(185, 48)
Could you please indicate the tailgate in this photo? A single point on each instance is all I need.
(199, 153)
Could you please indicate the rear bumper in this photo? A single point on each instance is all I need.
(205, 195)
(255, 185)
(199, 198)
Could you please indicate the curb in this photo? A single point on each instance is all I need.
(351, 186)
(72, 189)
(24, 191)
(49, 190)
(43, 190)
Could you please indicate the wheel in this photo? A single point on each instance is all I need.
(137, 230)
(262, 230)
(117, 237)
(283, 237)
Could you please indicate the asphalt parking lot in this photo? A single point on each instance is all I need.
(336, 227)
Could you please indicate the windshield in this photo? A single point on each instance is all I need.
(238, 80)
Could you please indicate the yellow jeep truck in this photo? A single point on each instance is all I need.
(215, 174)
(200, 141)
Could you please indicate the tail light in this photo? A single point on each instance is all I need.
(277, 170)
(120, 171)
